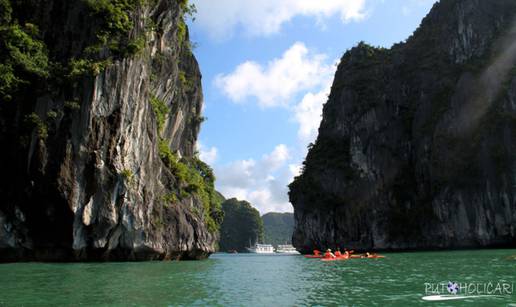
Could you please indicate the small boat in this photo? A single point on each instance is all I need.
(286, 249)
(261, 249)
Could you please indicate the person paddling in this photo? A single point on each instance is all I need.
(338, 254)
(329, 254)
(346, 255)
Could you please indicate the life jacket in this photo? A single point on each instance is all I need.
(328, 255)
(338, 254)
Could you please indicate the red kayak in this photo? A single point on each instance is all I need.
(313, 256)
(334, 259)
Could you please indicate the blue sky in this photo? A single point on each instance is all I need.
(267, 67)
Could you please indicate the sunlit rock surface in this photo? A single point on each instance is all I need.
(94, 188)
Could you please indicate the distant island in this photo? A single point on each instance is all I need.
(242, 226)
(278, 228)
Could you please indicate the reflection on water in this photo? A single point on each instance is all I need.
(255, 280)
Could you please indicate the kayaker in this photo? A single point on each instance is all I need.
(346, 254)
(316, 252)
(368, 255)
(329, 254)
(338, 253)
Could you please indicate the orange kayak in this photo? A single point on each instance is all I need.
(313, 256)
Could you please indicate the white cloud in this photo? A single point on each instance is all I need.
(297, 71)
(263, 183)
(233, 192)
(209, 156)
(308, 113)
(276, 84)
(276, 159)
(295, 170)
(238, 174)
(265, 17)
(297, 74)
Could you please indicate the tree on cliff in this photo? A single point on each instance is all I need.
(241, 227)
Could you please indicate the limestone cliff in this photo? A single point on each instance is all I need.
(416, 146)
(98, 146)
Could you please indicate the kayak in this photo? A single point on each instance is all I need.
(313, 256)
(356, 256)
(364, 257)
(334, 259)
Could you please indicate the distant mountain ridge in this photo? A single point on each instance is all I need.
(278, 228)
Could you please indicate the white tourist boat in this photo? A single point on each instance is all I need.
(261, 249)
(287, 249)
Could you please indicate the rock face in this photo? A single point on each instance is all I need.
(416, 146)
(89, 181)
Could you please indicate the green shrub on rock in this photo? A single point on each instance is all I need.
(23, 55)
(35, 122)
(160, 109)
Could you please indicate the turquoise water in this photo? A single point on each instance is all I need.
(256, 280)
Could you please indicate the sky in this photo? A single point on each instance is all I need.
(267, 69)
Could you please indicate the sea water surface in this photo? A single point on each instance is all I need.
(258, 280)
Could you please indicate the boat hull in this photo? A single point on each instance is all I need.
(260, 252)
